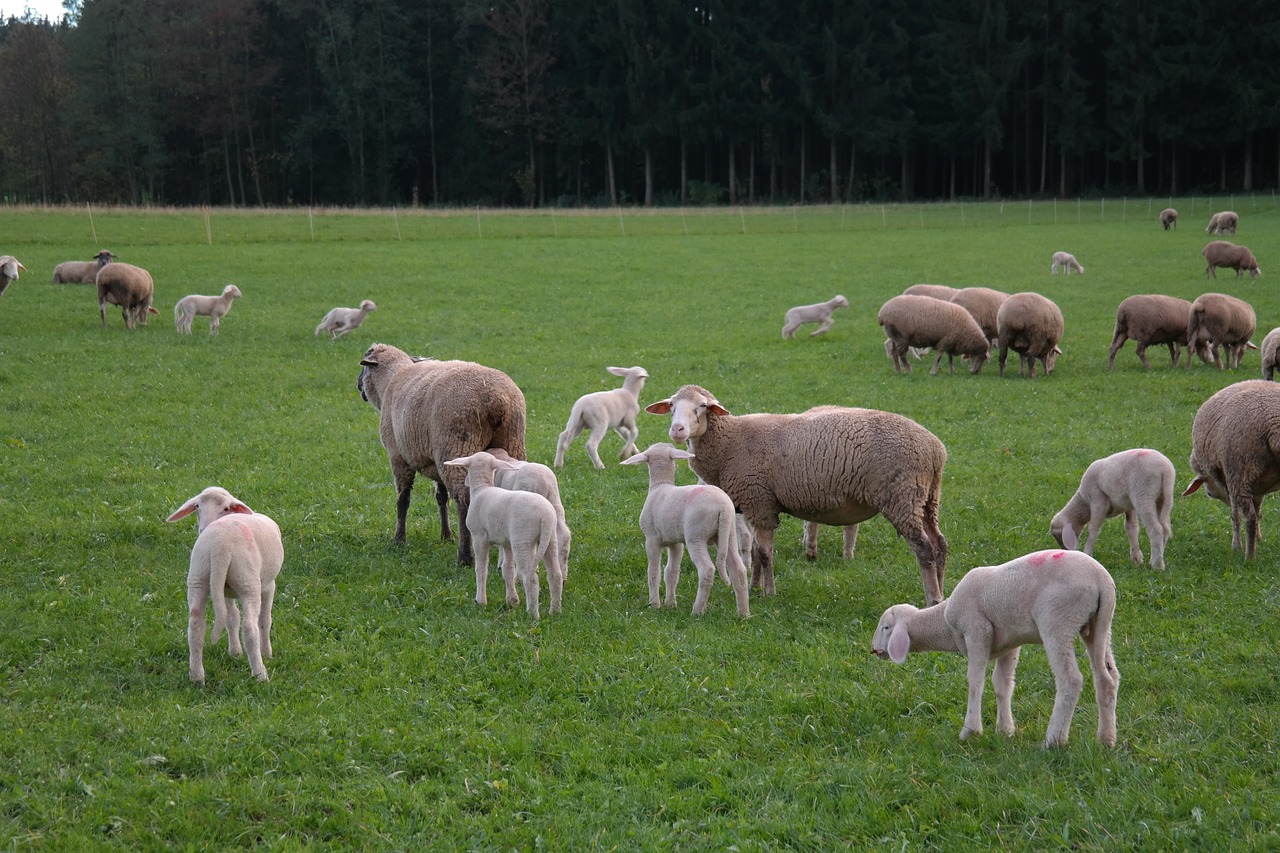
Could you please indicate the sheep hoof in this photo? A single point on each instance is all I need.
(966, 732)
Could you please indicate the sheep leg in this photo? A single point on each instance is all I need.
(482, 570)
(565, 439)
(823, 326)
(937, 362)
(1116, 343)
(462, 498)
(527, 568)
(197, 598)
(1066, 675)
(653, 549)
(850, 534)
(1142, 356)
(701, 557)
(811, 539)
(507, 563)
(1004, 352)
(264, 618)
(555, 574)
(253, 636)
(675, 554)
(1097, 516)
(977, 646)
(629, 432)
(593, 443)
(233, 628)
(1131, 530)
(737, 580)
(762, 559)
(442, 506)
(1002, 680)
(1106, 677)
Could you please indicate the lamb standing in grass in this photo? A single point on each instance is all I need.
(1221, 253)
(1223, 223)
(923, 321)
(214, 307)
(1270, 353)
(539, 479)
(1226, 322)
(604, 410)
(1153, 319)
(675, 517)
(340, 321)
(9, 269)
(130, 287)
(822, 313)
(1065, 261)
(522, 524)
(1047, 598)
(1169, 218)
(81, 272)
(237, 555)
(1030, 325)
(1135, 483)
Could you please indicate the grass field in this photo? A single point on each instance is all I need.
(400, 715)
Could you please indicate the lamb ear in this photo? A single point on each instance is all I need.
(1195, 484)
(240, 507)
(638, 459)
(899, 643)
(1070, 537)
(183, 511)
(678, 453)
(618, 371)
(507, 464)
(662, 407)
(460, 462)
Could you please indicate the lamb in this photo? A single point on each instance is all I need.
(1065, 261)
(433, 411)
(522, 524)
(1220, 253)
(937, 291)
(834, 465)
(1047, 597)
(1270, 353)
(1137, 483)
(213, 307)
(697, 517)
(923, 321)
(821, 313)
(1221, 223)
(1169, 218)
(1235, 453)
(984, 304)
(539, 479)
(81, 272)
(601, 411)
(1226, 322)
(340, 321)
(1030, 325)
(129, 287)
(1152, 318)
(9, 269)
(237, 555)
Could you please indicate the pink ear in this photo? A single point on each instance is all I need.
(1195, 484)
(899, 643)
(240, 508)
(1070, 537)
(716, 409)
(662, 407)
(183, 511)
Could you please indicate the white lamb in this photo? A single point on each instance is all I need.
(675, 517)
(1048, 598)
(539, 479)
(602, 411)
(237, 555)
(821, 313)
(213, 307)
(340, 321)
(1065, 261)
(1137, 483)
(521, 524)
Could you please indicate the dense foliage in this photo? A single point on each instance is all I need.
(571, 102)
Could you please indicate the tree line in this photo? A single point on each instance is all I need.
(607, 102)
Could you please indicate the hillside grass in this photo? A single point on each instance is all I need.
(400, 715)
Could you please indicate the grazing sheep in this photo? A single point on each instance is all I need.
(1169, 218)
(81, 272)
(821, 313)
(1220, 253)
(433, 411)
(1270, 353)
(601, 411)
(522, 524)
(9, 269)
(1065, 261)
(1135, 483)
(1045, 598)
(1222, 223)
(213, 307)
(539, 479)
(697, 517)
(937, 291)
(984, 304)
(1030, 325)
(340, 321)
(1226, 322)
(923, 321)
(1235, 453)
(1152, 318)
(129, 287)
(834, 465)
(237, 555)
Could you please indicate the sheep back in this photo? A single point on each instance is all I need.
(937, 291)
(983, 303)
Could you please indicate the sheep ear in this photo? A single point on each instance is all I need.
(899, 642)
(1195, 484)
(638, 459)
(677, 453)
(662, 407)
(618, 371)
(183, 511)
(369, 360)
(715, 408)
(507, 464)
(1070, 537)
(240, 507)
(460, 462)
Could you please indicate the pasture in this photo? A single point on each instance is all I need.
(400, 715)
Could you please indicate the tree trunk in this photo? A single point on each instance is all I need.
(802, 163)
(609, 178)
(684, 171)
(648, 175)
(835, 172)
(751, 174)
(733, 174)
(848, 181)
(1247, 181)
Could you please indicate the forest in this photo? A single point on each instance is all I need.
(515, 103)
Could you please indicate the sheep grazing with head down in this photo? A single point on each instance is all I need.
(923, 321)
(130, 287)
(1226, 322)
(1270, 353)
(9, 269)
(237, 555)
(214, 307)
(81, 272)
(601, 411)
(822, 313)
(340, 321)
(1235, 453)
(1169, 218)
(1224, 222)
(983, 303)
(1046, 598)
(1030, 325)
(832, 465)
(1220, 253)
(433, 411)
(695, 517)
(1065, 261)
(1154, 319)
(1135, 483)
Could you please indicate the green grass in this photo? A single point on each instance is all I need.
(401, 716)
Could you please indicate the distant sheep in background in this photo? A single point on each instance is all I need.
(129, 287)
(1065, 261)
(1223, 223)
(81, 272)
(9, 268)
(340, 321)
(1169, 218)
(601, 411)
(214, 307)
(821, 313)
(1220, 253)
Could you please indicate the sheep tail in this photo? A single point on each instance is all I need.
(726, 544)
(219, 565)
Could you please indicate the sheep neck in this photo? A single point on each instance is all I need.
(931, 633)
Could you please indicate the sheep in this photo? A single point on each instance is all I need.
(433, 411)
(237, 555)
(601, 411)
(81, 272)
(1270, 353)
(1046, 598)
(821, 313)
(1223, 222)
(697, 517)
(984, 304)
(1065, 261)
(340, 321)
(1152, 318)
(835, 465)
(213, 307)
(129, 287)
(923, 321)
(1169, 218)
(9, 269)
(1137, 483)
(1030, 325)
(1235, 453)
(937, 291)
(538, 478)
(1220, 253)
(522, 524)
(1226, 322)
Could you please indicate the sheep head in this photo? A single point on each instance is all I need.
(689, 408)
(892, 640)
(379, 360)
(481, 465)
(210, 505)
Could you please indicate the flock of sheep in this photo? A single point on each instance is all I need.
(463, 426)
